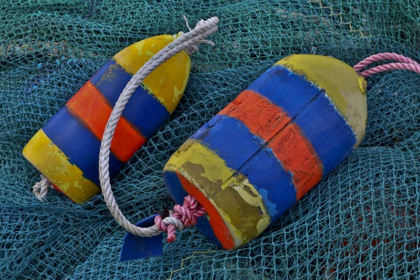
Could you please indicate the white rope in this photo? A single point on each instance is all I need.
(40, 189)
(188, 42)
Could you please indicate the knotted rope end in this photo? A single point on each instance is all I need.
(40, 189)
(183, 216)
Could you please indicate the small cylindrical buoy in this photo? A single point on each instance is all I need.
(250, 163)
(66, 149)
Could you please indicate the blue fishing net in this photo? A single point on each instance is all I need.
(362, 222)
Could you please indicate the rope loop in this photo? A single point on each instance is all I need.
(403, 63)
(40, 189)
(182, 216)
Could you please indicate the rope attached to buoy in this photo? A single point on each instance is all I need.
(182, 216)
(187, 213)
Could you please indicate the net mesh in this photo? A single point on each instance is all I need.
(360, 222)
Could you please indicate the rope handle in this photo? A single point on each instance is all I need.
(403, 63)
(182, 216)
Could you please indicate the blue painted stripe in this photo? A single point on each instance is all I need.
(326, 129)
(174, 186)
(79, 144)
(110, 80)
(178, 193)
(230, 139)
(288, 90)
(273, 183)
(142, 111)
(239, 148)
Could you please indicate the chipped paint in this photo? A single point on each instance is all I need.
(235, 198)
(177, 94)
(53, 164)
(340, 82)
(162, 81)
(109, 75)
(150, 53)
(139, 46)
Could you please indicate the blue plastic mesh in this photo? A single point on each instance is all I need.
(362, 222)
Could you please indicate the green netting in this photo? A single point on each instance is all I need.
(362, 222)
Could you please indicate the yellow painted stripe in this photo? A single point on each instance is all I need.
(55, 165)
(235, 198)
(167, 82)
(341, 83)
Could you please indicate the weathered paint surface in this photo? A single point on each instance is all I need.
(126, 141)
(342, 84)
(142, 105)
(57, 168)
(166, 86)
(270, 146)
(77, 129)
(85, 155)
(261, 116)
(236, 200)
(327, 131)
(298, 157)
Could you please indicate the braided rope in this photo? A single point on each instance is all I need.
(382, 56)
(186, 214)
(40, 189)
(404, 63)
(181, 217)
(391, 66)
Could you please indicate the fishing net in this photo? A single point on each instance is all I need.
(362, 222)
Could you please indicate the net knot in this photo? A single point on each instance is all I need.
(183, 216)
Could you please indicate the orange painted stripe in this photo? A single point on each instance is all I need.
(298, 157)
(262, 117)
(218, 225)
(89, 106)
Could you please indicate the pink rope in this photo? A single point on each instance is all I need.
(391, 66)
(404, 63)
(187, 214)
(382, 56)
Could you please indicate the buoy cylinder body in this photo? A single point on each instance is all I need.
(66, 149)
(250, 163)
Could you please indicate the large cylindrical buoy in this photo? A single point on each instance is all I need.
(250, 163)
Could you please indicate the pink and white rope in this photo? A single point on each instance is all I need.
(184, 215)
(187, 214)
(403, 63)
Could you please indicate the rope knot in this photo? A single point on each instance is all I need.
(183, 216)
(40, 189)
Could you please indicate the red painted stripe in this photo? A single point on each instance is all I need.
(289, 145)
(93, 110)
(262, 117)
(298, 157)
(216, 221)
